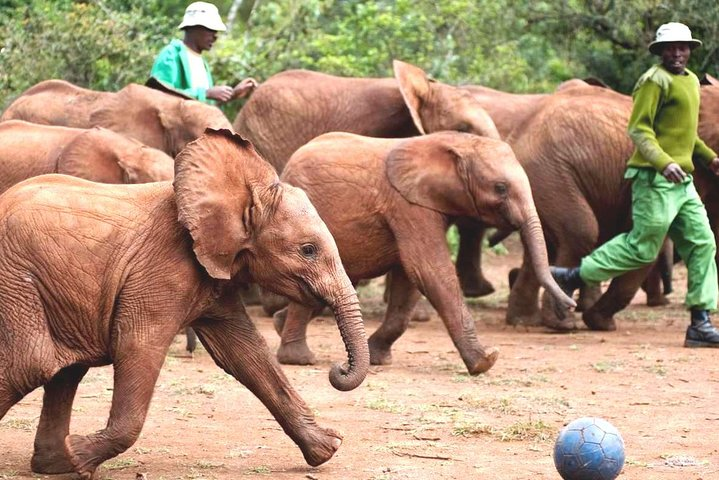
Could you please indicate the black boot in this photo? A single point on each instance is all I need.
(701, 332)
(568, 279)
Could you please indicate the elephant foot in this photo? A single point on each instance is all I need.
(379, 352)
(50, 461)
(476, 286)
(486, 360)
(320, 446)
(79, 451)
(595, 321)
(657, 301)
(530, 320)
(295, 353)
(564, 325)
(278, 320)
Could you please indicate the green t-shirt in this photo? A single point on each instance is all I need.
(663, 124)
(172, 68)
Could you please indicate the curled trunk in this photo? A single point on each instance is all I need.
(533, 240)
(349, 321)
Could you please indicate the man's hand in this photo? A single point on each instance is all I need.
(221, 93)
(244, 88)
(674, 173)
(714, 166)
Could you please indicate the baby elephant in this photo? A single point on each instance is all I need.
(388, 203)
(28, 150)
(94, 274)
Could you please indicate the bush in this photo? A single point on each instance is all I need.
(86, 44)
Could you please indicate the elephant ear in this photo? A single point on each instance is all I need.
(709, 80)
(430, 173)
(217, 180)
(143, 164)
(91, 155)
(414, 86)
(134, 112)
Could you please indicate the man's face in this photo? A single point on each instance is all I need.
(675, 56)
(203, 37)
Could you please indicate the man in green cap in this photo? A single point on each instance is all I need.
(180, 66)
(663, 127)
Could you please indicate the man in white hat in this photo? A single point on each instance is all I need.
(181, 67)
(663, 127)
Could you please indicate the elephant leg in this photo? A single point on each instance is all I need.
(251, 294)
(137, 366)
(271, 302)
(238, 348)
(421, 313)
(588, 296)
(427, 264)
(8, 398)
(403, 298)
(49, 451)
(653, 286)
(469, 261)
(620, 293)
(523, 303)
(293, 349)
(576, 233)
(191, 344)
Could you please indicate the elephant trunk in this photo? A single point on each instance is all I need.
(349, 320)
(533, 239)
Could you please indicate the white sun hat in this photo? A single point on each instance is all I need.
(203, 14)
(673, 32)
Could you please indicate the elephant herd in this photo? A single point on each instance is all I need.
(128, 216)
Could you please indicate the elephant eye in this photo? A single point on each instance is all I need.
(308, 250)
(500, 188)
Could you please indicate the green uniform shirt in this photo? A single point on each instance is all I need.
(172, 68)
(663, 124)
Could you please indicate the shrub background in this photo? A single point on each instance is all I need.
(513, 45)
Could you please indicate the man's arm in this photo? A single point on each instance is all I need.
(641, 125)
(703, 152)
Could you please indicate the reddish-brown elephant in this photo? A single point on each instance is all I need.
(157, 119)
(388, 203)
(28, 150)
(293, 107)
(95, 274)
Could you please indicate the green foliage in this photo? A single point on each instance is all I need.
(86, 44)
(519, 46)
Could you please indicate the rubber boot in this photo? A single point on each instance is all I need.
(701, 332)
(568, 279)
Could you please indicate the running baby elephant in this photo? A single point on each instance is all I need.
(388, 203)
(94, 274)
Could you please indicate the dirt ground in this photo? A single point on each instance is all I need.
(423, 417)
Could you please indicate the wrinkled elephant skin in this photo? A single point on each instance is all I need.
(95, 274)
(157, 119)
(100, 155)
(388, 203)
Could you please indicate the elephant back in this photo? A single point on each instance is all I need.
(55, 102)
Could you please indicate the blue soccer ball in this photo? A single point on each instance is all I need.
(589, 449)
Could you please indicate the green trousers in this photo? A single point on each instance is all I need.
(661, 208)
